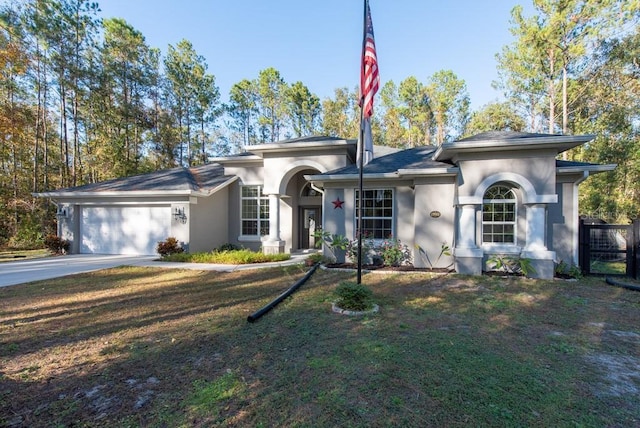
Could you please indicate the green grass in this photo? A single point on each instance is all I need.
(442, 351)
(608, 268)
(13, 255)
(233, 257)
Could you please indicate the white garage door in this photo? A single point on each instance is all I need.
(124, 230)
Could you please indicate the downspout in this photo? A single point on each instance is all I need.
(319, 190)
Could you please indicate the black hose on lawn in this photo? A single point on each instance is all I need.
(254, 317)
(612, 281)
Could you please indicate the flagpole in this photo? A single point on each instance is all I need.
(361, 150)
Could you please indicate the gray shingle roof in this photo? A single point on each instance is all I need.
(201, 178)
(503, 135)
(417, 157)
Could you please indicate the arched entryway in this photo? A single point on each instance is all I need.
(304, 204)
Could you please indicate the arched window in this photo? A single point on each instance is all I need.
(499, 215)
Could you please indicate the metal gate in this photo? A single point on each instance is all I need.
(609, 249)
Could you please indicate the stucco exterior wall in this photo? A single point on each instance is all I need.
(564, 220)
(335, 219)
(538, 168)
(435, 218)
(209, 219)
(251, 175)
(280, 168)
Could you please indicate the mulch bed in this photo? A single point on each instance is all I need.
(384, 268)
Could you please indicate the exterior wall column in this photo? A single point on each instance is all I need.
(273, 244)
(535, 249)
(467, 227)
(467, 254)
(536, 222)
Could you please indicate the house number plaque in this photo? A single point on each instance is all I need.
(435, 214)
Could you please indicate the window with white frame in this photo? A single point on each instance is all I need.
(254, 212)
(377, 213)
(499, 215)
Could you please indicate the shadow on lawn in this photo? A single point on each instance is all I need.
(174, 348)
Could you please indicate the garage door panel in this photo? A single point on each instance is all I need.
(124, 230)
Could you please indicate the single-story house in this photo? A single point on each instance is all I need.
(493, 193)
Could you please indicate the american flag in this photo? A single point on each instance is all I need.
(369, 78)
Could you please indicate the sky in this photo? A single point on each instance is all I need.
(319, 42)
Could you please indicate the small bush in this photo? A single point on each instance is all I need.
(312, 259)
(512, 265)
(354, 297)
(168, 247)
(56, 245)
(394, 252)
(228, 247)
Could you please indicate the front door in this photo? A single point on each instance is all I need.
(310, 219)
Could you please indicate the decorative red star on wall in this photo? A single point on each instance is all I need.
(337, 203)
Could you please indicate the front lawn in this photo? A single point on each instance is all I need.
(160, 347)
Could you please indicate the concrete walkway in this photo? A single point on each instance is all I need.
(22, 271)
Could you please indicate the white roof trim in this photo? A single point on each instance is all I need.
(349, 177)
(133, 193)
(306, 145)
(218, 187)
(429, 171)
(558, 142)
(237, 159)
(590, 168)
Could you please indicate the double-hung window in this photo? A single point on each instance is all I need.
(254, 213)
(499, 215)
(377, 213)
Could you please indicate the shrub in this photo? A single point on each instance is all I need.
(234, 257)
(169, 246)
(512, 265)
(367, 249)
(445, 250)
(333, 242)
(354, 297)
(56, 245)
(564, 270)
(312, 259)
(394, 252)
(228, 247)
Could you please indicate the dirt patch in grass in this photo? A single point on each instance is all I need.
(160, 347)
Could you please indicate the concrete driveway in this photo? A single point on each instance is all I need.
(22, 271)
(19, 272)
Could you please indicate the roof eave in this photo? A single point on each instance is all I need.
(218, 187)
(237, 159)
(560, 142)
(442, 172)
(116, 194)
(278, 147)
(589, 168)
(350, 177)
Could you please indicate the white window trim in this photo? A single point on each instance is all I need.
(393, 213)
(502, 247)
(252, 238)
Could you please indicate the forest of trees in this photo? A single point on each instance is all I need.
(85, 99)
